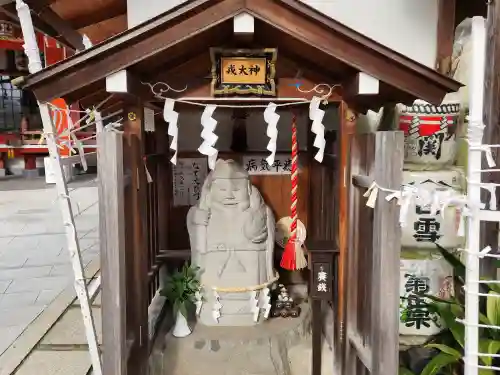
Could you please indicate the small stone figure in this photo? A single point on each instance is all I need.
(231, 232)
(284, 305)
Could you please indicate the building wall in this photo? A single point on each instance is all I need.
(407, 26)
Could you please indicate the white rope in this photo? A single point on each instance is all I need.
(55, 108)
(484, 294)
(80, 128)
(324, 90)
(477, 325)
(288, 104)
(481, 254)
(469, 363)
(488, 355)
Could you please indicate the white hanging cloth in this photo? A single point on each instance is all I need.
(209, 137)
(316, 116)
(172, 117)
(272, 118)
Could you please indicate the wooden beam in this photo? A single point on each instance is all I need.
(491, 118)
(291, 20)
(362, 181)
(62, 26)
(339, 42)
(111, 10)
(445, 35)
(360, 84)
(141, 44)
(10, 11)
(243, 27)
(119, 82)
(126, 85)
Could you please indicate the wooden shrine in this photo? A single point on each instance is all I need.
(288, 54)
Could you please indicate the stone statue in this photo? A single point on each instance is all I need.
(231, 231)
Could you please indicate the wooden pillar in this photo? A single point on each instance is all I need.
(113, 262)
(29, 162)
(491, 118)
(321, 284)
(445, 34)
(386, 249)
(347, 129)
(164, 181)
(2, 160)
(30, 170)
(137, 250)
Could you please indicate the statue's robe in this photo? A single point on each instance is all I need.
(234, 250)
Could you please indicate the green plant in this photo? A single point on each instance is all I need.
(181, 287)
(405, 371)
(450, 341)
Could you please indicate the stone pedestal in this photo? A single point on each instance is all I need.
(263, 349)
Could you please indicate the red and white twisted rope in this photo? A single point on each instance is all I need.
(293, 256)
(295, 181)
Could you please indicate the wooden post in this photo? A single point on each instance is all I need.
(163, 167)
(322, 267)
(112, 235)
(138, 279)
(348, 365)
(386, 255)
(347, 129)
(445, 35)
(491, 118)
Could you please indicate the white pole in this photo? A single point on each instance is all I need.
(50, 131)
(30, 43)
(475, 135)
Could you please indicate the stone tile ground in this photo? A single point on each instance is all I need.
(34, 261)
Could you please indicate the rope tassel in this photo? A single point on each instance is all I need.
(293, 257)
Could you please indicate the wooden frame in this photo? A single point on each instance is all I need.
(372, 322)
(265, 87)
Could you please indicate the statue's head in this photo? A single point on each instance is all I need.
(228, 186)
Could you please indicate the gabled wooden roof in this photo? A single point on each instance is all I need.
(66, 20)
(295, 28)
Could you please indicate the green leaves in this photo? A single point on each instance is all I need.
(449, 314)
(458, 266)
(445, 349)
(181, 287)
(405, 371)
(488, 347)
(439, 362)
(450, 342)
(493, 308)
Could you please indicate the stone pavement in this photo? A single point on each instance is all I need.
(34, 261)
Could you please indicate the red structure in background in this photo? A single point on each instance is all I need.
(24, 141)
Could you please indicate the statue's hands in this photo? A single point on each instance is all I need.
(201, 217)
(256, 226)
